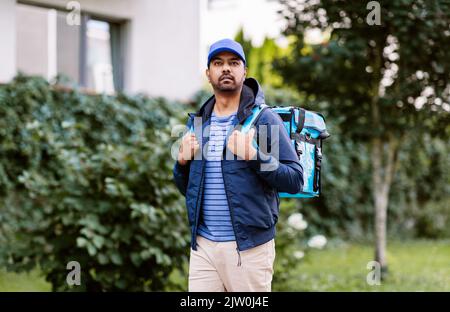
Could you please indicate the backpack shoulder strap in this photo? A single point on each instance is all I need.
(253, 118)
(301, 120)
(191, 121)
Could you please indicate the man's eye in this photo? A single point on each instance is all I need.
(234, 63)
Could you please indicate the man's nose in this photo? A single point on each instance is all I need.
(226, 67)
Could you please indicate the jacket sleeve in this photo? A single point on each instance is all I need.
(277, 164)
(181, 176)
(180, 172)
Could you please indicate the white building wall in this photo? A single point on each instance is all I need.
(166, 35)
(7, 40)
(33, 46)
(162, 48)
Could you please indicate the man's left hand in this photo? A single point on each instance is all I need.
(240, 144)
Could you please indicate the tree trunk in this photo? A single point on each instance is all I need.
(384, 163)
(384, 149)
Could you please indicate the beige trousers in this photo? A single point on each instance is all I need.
(217, 266)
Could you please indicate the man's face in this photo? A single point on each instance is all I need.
(226, 72)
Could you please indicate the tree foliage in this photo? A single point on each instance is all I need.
(386, 84)
(363, 65)
(260, 59)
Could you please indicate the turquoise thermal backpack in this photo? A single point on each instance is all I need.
(307, 130)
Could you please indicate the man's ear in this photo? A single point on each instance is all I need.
(207, 74)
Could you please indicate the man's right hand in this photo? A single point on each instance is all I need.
(189, 146)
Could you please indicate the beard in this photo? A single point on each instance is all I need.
(226, 84)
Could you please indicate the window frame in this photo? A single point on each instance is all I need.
(117, 56)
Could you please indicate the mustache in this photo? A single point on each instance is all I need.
(226, 77)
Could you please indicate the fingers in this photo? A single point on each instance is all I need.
(231, 141)
(189, 136)
(193, 143)
(251, 133)
(239, 143)
(189, 146)
(238, 133)
(190, 139)
(242, 138)
(194, 146)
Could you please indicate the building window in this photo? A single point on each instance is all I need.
(99, 72)
(89, 54)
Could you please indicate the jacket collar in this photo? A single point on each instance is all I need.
(251, 95)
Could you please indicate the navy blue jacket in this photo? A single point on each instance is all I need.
(252, 193)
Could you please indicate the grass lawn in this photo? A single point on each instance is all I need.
(413, 266)
(417, 265)
(23, 282)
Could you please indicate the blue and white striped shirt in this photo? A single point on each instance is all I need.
(215, 219)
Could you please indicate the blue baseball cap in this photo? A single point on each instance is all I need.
(226, 45)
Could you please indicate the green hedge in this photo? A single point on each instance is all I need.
(89, 179)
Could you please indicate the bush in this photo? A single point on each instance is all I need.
(433, 221)
(88, 179)
(289, 241)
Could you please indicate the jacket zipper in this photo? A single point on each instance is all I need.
(194, 234)
(199, 195)
(228, 201)
(231, 214)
